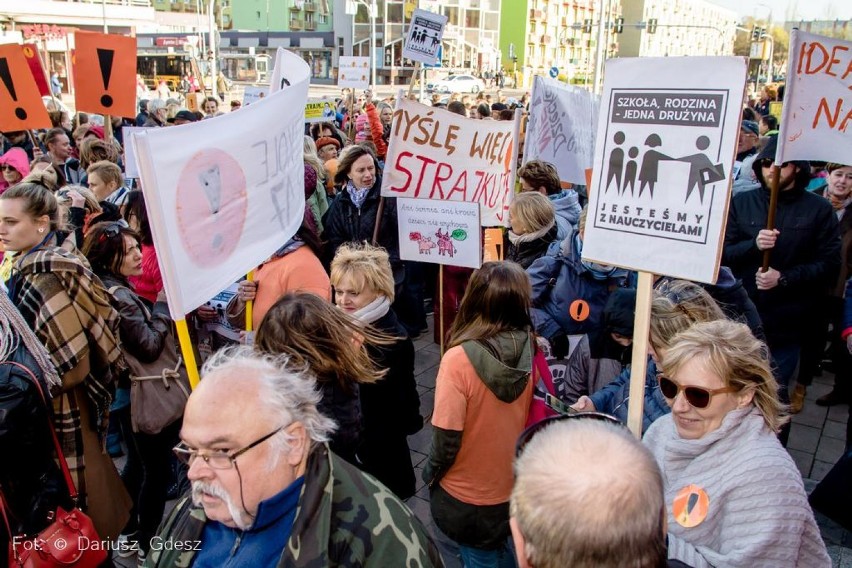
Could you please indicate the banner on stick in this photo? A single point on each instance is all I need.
(320, 111)
(424, 37)
(817, 101)
(561, 128)
(666, 141)
(105, 73)
(436, 154)
(354, 72)
(34, 62)
(219, 206)
(21, 107)
(439, 232)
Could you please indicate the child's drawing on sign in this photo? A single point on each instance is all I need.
(445, 241)
(424, 244)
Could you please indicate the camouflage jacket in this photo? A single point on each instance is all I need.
(345, 518)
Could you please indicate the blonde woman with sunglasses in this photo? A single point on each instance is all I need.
(734, 496)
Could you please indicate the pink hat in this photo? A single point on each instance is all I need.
(360, 125)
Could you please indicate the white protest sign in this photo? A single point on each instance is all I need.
(666, 141)
(131, 170)
(561, 128)
(424, 37)
(282, 75)
(437, 154)
(439, 232)
(817, 101)
(253, 94)
(354, 72)
(220, 205)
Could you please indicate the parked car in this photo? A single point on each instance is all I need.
(457, 84)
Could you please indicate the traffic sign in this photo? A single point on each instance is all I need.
(554, 72)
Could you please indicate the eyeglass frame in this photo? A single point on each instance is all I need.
(682, 389)
(187, 455)
(763, 163)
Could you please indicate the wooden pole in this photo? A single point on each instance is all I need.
(774, 180)
(249, 303)
(188, 353)
(639, 361)
(107, 127)
(416, 73)
(352, 117)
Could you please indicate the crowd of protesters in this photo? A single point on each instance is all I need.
(302, 425)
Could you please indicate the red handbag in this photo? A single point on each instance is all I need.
(70, 539)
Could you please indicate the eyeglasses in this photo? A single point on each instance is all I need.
(696, 396)
(767, 163)
(217, 459)
(530, 432)
(7, 168)
(113, 229)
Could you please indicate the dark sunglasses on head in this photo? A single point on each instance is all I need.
(696, 396)
(113, 229)
(530, 432)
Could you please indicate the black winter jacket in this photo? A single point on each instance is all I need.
(525, 253)
(142, 335)
(807, 253)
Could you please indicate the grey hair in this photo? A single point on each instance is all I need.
(286, 390)
(156, 104)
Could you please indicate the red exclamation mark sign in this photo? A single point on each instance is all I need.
(6, 77)
(105, 57)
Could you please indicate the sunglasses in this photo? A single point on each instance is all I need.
(113, 229)
(767, 163)
(530, 432)
(7, 168)
(698, 397)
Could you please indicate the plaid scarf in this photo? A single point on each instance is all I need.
(69, 310)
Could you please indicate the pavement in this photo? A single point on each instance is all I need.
(817, 440)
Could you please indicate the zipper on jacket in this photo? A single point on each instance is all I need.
(236, 544)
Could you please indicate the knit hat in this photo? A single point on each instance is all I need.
(360, 124)
(326, 140)
(98, 131)
(750, 126)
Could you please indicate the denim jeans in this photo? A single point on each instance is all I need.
(503, 557)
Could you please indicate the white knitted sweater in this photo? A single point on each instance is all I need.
(759, 514)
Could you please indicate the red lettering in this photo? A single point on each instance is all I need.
(459, 186)
(398, 165)
(809, 70)
(834, 58)
(426, 161)
(823, 108)
(436, 183)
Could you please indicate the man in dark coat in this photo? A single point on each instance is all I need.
(805, 256)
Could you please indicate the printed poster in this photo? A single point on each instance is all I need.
(437, 154)
(817, 111)
(353, 72)
(219, 206)
(663, 164)
(439, 232)
(561, 128)
(423, 42)
(319, 110)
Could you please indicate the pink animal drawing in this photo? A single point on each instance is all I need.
(425, 244)
(445, 244)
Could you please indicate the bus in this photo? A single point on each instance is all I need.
(168, 67)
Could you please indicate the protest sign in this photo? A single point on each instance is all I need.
(666, 141)
(253, 94)
(439, 232)
(354, 72)
(561, 128)
(34, 61)
(320, 111)
(21, 107)
(131, 168)
(219, 206)
(817, 101)
(436, 154)
(424, 36)
(105, 74)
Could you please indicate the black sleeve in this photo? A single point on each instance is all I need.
(826, 258)
(142, 337)
(445, 447)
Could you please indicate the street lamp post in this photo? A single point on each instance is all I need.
(212, 24)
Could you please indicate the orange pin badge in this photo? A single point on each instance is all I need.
(579, 310)
(690, 506)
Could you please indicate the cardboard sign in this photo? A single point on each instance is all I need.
(493, 245)
(105, 75)
(354, 72)
(424, 37)
(561, 128)
(21, 107)
(667, 137)
(34, 61)
(817, 101)
(439, 232)
(437, 154)
(192, 102)
(219, 206)
(320, 111)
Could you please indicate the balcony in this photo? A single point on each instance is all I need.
(310, 7)
(546, 39)
(567, 21)
(310, 26)
(295, 24)
(532, 39)
(294, 8)
(536, 14)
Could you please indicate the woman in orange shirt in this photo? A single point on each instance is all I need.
(482, 398)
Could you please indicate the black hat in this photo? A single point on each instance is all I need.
(185, 115)
(768, 152)
(498, 107)
(750, 126)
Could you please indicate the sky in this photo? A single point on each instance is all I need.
(781, 9)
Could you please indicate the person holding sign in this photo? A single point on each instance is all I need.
(533, 221)
(734, 496)
(804, 258)
(482, 398)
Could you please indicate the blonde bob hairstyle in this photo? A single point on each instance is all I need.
(731, 352)
(676, 306)
(366, 267)
(531, 212)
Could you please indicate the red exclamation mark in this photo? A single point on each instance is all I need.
(105, 57)
(6, 76)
